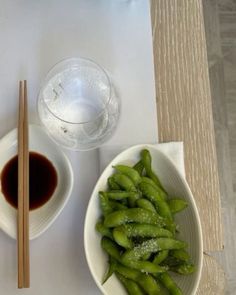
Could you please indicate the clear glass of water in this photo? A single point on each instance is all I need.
(77, 104)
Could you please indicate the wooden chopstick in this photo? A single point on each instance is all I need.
(23, 191)
(20, 218)
(26, 192)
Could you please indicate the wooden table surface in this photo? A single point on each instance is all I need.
(185, 113)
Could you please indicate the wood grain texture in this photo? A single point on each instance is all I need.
(184, 103)
(213, 281)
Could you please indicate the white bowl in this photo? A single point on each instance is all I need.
(188, 220)
(43, 217)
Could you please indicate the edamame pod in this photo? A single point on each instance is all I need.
(144, 266)
(103, 230)
(104, 204)
(184, 269)
(177, 205)
(147, 163)
(130, 172)
(110, 271)
(111, 248)
(145, 204)
(146, 282)
(170, 284)
(120, 195)
(108, 206)
(180, 254)
(160, 256)
(116, 205)
(159, 190)
(144, 231)
(171, 261)
(131, 286)
(112, 184)
(127, 184)
(121, 238)
(152, 195)
(124, 182)
(137, 215)
(152, 246)
(139, 167)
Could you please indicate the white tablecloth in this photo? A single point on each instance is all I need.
(34, 35)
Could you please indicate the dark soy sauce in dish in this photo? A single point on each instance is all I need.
(42, 180)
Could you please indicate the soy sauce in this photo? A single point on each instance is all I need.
(42, 180)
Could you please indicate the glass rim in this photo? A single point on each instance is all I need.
(76, 59)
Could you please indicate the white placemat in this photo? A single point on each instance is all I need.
(116, 34)
(34, 36)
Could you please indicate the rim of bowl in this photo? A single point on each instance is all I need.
(76, 59)
(194, 206)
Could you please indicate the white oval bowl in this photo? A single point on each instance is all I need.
(40, 219)
(188, 220)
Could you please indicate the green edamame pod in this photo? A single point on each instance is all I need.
(177, 205)
(127, 184)
(137, 215)
(144, 266)
(152, 195)
(170, 244)
(111, 248)
(131, 287)
(104, 204)
(159, 190)
(145, 231)
(180, 254)
(116, 205)
(103, 230)
(147, 163)
(110, 271)
(145, 204)
(184, 269)
(152, 246)
(120, 195)
(112, 184)
(108, 206)
(121, 238)
(171, 261)
(146, 282)
(130, 172)
(139, 167)
(160, 256)
(150, 181)
(170, 284)
(124, 182)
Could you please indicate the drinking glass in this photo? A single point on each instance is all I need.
(78, 105)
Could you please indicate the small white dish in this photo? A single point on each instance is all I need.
(41, 218)
(188, 221)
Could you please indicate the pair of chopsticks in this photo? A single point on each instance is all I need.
(23, 191)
